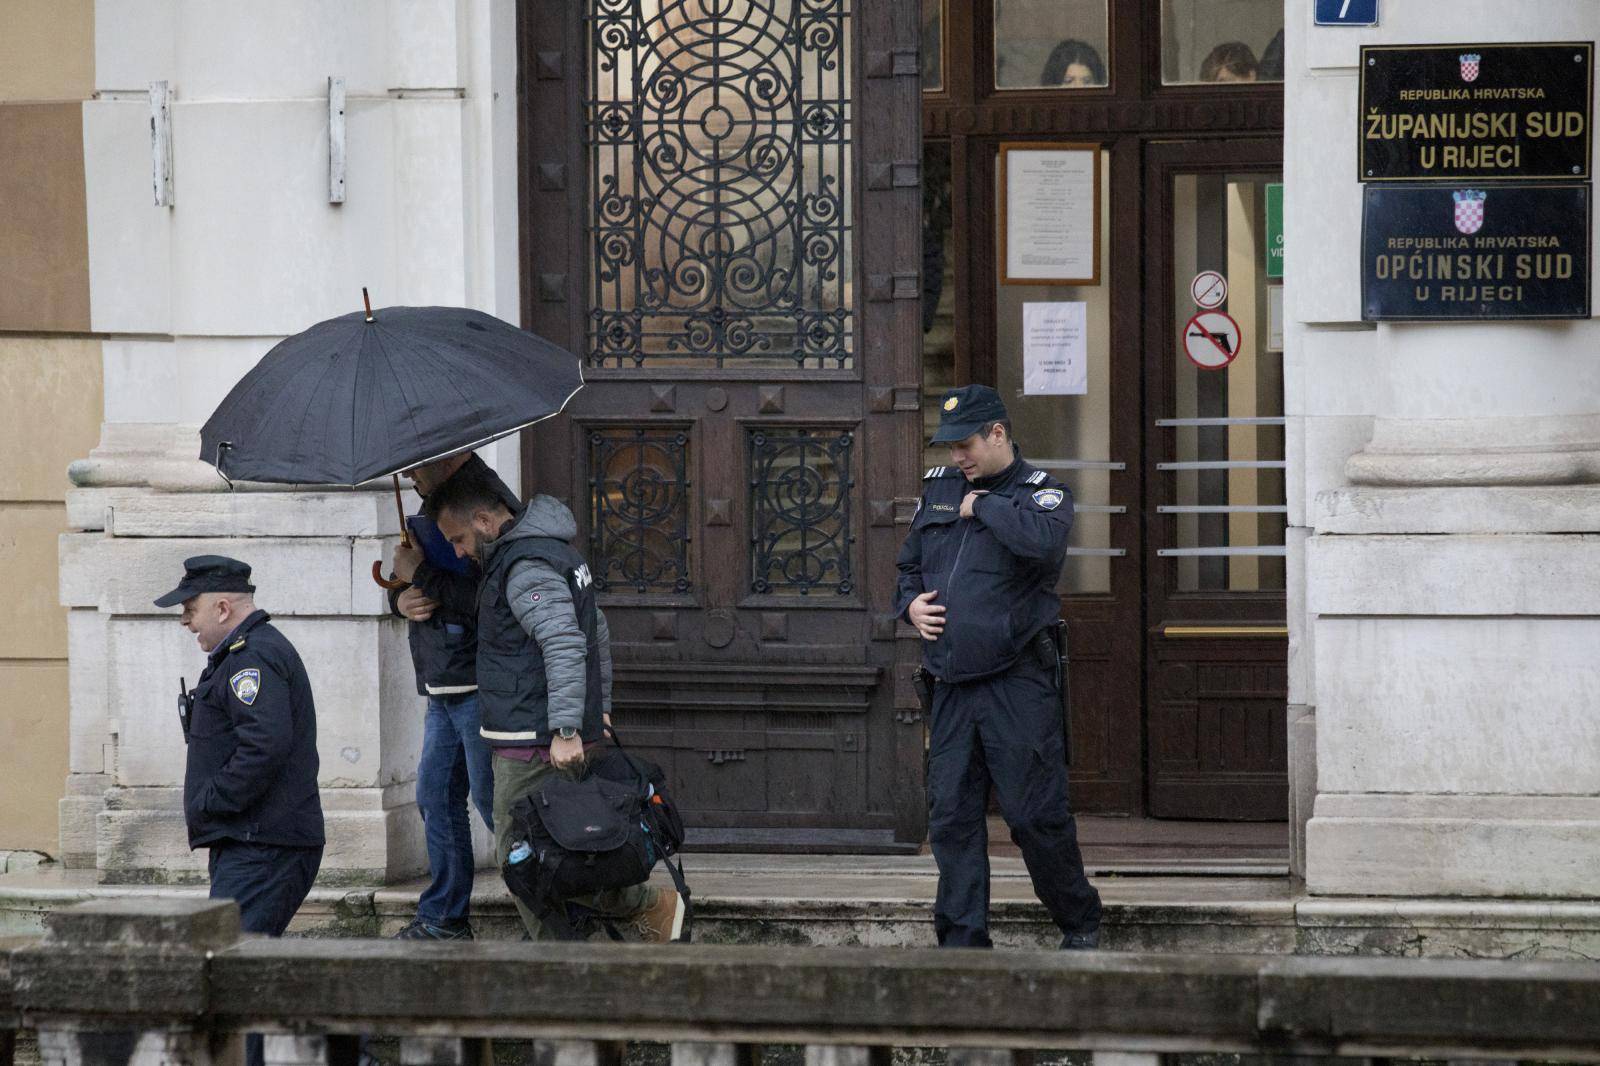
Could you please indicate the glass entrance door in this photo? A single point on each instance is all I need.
(1215, 500)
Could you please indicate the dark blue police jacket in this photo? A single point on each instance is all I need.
(995, 573)
(252, 769)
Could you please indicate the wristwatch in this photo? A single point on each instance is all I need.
(567, 733)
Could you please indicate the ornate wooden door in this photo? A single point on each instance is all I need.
(721, 214)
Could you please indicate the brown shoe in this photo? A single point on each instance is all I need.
(662, 921)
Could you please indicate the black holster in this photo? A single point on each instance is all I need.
(1050, 651)
(922, 681)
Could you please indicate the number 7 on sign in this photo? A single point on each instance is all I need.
(1344, 8)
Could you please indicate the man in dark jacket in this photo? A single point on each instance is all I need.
(544, 669)
(441, 605)
(978, 575)
(250, 784)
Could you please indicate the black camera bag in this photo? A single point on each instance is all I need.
(604, 830)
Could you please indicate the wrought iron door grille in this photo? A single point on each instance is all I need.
(639, 510)
(719, 136)
(800, 537)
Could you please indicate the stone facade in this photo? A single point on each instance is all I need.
(188, 297)
(1446, 493)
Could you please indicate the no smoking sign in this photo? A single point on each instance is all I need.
(1211, 340)
(1209, 289)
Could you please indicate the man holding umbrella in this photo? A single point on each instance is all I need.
(441, 605)
(366, 396)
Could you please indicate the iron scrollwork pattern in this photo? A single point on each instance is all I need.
(719, 134)
(639, 510)
(800, 536)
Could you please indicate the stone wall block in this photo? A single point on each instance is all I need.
(1455, 846)
(130, 240)
(1477, 509)
(430, 251)
(1495, 706)
(246, 272)
(1327, 282)
(1327, 445)
(76, 817)
(1457, 575)
(422, 44)
(258, 514)
(123, 575)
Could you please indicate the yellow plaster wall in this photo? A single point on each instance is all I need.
(51, 390)
(46, 49)
(44, 230)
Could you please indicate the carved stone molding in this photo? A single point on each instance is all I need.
(164, 456)
(1447, 452)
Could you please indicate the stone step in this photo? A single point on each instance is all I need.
(886, 901)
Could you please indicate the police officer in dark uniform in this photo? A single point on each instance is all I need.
(978, 575)
(250, 786)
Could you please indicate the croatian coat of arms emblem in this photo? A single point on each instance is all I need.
(1470, 63)
(1469, 210)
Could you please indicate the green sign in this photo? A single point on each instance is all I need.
(1275, 230)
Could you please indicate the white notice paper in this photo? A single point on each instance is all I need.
(1055, 349)
(1052, 219)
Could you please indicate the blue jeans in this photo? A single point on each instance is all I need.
(454, 765)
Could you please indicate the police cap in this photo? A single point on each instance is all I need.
(209, 573)
(966, 410)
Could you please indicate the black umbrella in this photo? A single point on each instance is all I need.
(368, 395)
(363, 396)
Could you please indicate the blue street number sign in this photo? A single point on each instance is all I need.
(1347, 12)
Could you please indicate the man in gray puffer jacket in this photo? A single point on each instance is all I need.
(544, 666)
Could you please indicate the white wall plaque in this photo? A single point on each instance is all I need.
(1050, 214)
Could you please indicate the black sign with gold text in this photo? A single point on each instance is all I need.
(1500, 251)
(1476, 112)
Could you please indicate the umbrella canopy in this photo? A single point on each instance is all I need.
(361, 396)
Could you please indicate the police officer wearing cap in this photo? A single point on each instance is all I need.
(250, 786)
(978, 575)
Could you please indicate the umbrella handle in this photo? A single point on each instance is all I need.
(390, 583)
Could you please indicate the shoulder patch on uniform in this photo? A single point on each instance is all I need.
(938, 472)
(1049, 499)
(1036, 478)
(246, 685)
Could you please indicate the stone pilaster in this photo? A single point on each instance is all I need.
(142, 505)
(1447, 479)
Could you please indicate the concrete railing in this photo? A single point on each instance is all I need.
(146, 983)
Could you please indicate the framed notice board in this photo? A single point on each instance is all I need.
(1049, 213)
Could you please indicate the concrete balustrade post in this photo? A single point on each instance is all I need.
(123, 982)
(8, 1014)
(315, 1049)
(695, 1054)
(1126, 1058)
(972, 1056)
(445, 1051)
(846, 1055)
(576, 1053)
